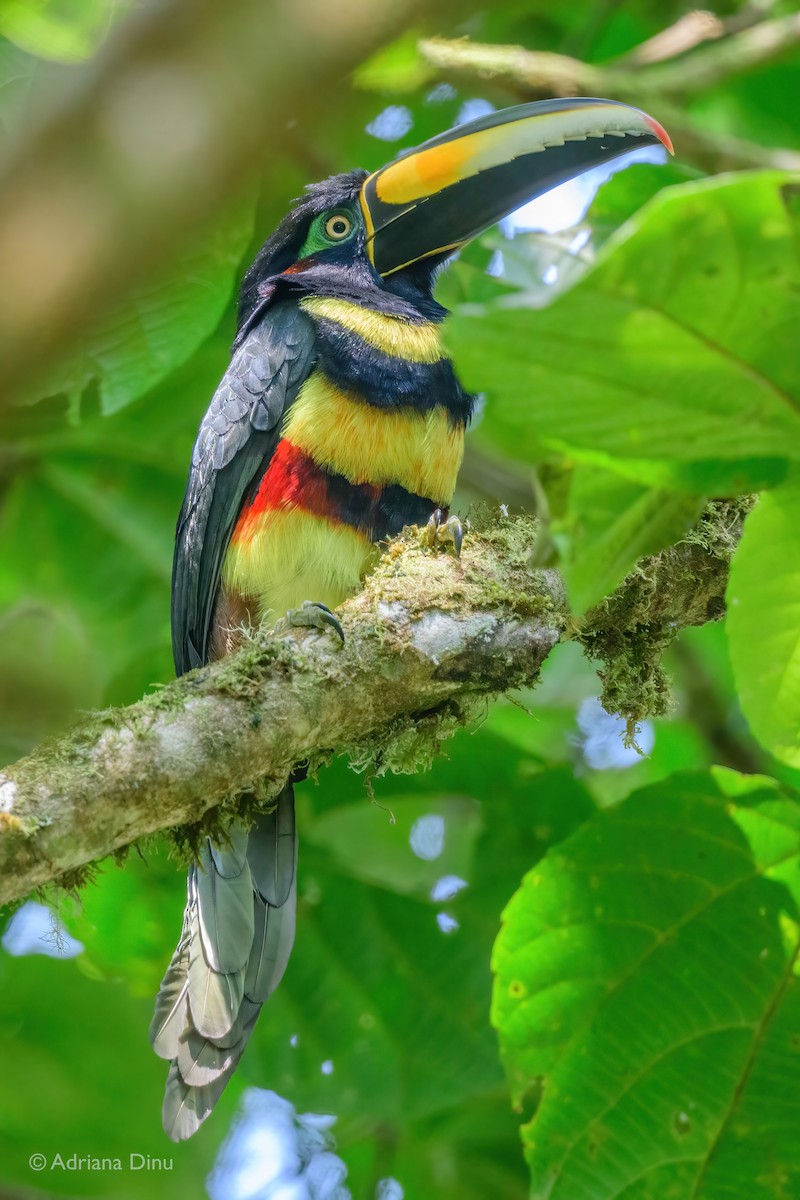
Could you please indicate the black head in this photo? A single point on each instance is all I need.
(320, 247)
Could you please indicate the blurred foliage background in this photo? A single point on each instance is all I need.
(684, 285)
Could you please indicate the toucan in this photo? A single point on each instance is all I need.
(339, 422)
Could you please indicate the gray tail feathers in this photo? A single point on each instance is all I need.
(238, 930)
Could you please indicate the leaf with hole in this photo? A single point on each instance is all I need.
(647, 996)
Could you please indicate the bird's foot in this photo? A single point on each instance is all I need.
(440, 531)
(310, 615)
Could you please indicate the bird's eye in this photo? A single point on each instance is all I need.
(338, 227)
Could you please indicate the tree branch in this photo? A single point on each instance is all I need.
(693, 29)
(719, 61)
(689, 31)
(427, 640)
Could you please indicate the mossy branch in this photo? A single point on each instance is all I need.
(427, 639)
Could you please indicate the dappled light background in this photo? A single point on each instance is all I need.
(374, 1071)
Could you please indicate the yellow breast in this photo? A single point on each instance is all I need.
(292, 555)
(298, 546)
(420, 451)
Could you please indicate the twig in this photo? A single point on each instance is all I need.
(531, 75)
(689, 31)
(713, 64)
(715, 720)
(694, 28)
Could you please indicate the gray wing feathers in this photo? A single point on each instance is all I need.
(272, 945)
(273, 359)
(201, 1061)
(215, 997)
(271, 855)
(168, 1018)
(185, 1108)
(225, 910)
(231, 858)
(187, 1104)
(236, 439)
(208, 1005)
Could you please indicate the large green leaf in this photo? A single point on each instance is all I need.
(611, 522)
(673, 360)
(627, 191)
(647, 995)
(125, 354)
(55, 30)
(763, 622)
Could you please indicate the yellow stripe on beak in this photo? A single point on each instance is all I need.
(429, 171)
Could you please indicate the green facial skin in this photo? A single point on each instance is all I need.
(330, 228)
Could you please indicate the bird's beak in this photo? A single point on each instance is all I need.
(433, 199)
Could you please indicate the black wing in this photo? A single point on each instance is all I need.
(236, 439)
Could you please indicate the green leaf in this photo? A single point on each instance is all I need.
(763, 622)
(396, 68)
(612, 522)
(647, 993)
(64, 32)
(673, 361)
(161, 325)
(627, 191)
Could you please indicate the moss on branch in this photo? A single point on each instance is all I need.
(684, 585)
(428, 639)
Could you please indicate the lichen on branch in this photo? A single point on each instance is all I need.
(427, 640)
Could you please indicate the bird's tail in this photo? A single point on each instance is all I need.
(238, 930)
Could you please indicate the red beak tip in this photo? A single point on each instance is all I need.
(661, 134)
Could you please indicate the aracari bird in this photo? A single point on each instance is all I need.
(339, 421)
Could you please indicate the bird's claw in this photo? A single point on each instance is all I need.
(439, 530)
(310, 615)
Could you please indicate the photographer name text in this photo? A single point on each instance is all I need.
(88, 1162)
